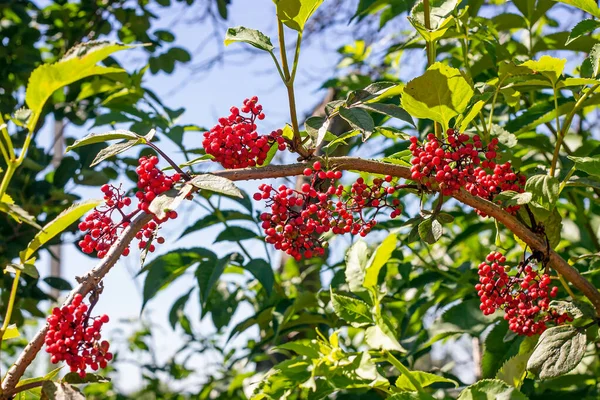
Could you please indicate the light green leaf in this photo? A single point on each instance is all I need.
(491, 389)
(379, 258)
(60, 391)
(559, 350)
(216, 184)
(250, 36)
(582, 28)
(440, 94)
(358, 119)
(11, 332)
(381, 336)
(553, 226)
(439, 10)
(18, 214)
(595, 59)
(390, 110)
(424, 378)
(356, 263)
(589, 165)
(57, 225)
(169, 201)
(104, 137)
(79, 62)
(549, 67)
(352, 310)
(75, 379)
(511, 198)
(113, 150)
(589, 6)
(473, 112)
(263, 273)
(294, 14)
(544, 190)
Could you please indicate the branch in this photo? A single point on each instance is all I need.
(88, 282)
(91, 279)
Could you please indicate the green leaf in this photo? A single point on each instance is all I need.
(104, 137)
(577, 309)
(497, 350)
(169, 201)
(511, 198)
(514, 370)
(544, 190)
(491, 389)
(79, 62)
(114, 149)
(58, 283)
(439, 11)
(28, 268)
(250, 36)
(411, 396)
(263, 273)
(582, 28)
(216, 184)
(177, 308)
(589, 165)
(213, 219)
(424, 378)
(553, 226)
(11, 332)
(17, 213)
(208, 274)
(354, 311)
(235, 234)
(294, 14)
(440, 94)
(356, 263)
(57, 225)
(302, 347)
(170, 266)
(60, 391)
(505, 137)
(358, 119)
(549, 67)
(589, 6)
(430, 230)
(559, 350)
(390, 110)
(74, 378)
(380, 257)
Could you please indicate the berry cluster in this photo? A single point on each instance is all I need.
(74, 337)
(524, 297)
(462, 161)
(234, 142)
(298, 218)
(99, 227)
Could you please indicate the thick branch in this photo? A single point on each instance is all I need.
(534, 241)
(277, 171)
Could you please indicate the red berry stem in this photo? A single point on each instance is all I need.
(186, 177)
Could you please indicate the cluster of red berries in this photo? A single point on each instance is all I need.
(298, 218)
(234, 142)
(524, 297)
(461, 161)
(74, 337)
(101, 230)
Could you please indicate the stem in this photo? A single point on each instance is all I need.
(23, 388)
(11, 304)
(296, 57)
(566, 180)
(9, 145)
(566, 286)
(566, 126)
(289, 84)
(10, 170)
(184, 174)
(278, 66)
(405, 371)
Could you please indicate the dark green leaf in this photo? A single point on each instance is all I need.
(250, 36)
(491, 389)
(390, 110)
(263, 272)
(544, 190)
(559, 350)
(354, 311)
(358, 119)
(235, 234)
